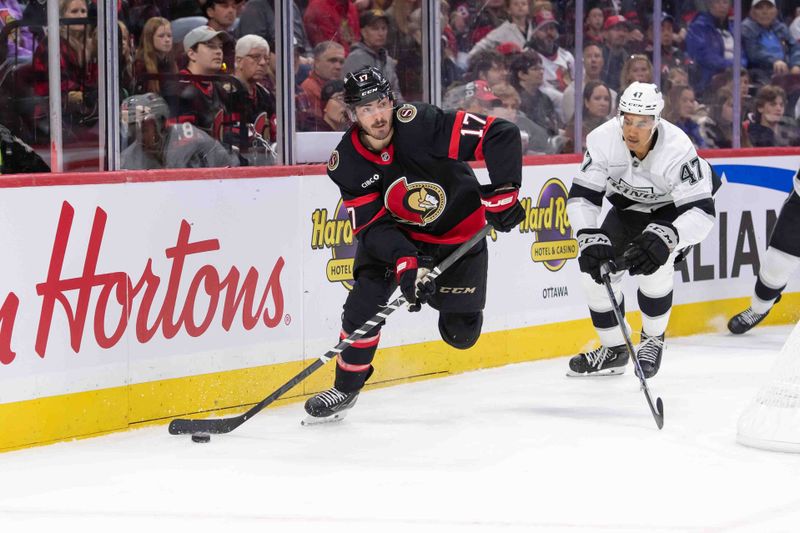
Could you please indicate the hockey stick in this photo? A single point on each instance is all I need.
(605, 271)
(181, 426)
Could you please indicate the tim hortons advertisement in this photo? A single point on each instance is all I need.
(533, 274)
(106, 285)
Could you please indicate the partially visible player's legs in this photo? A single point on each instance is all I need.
(777, 266)
(655, 302)
(354, 365)
(461, 296)
(612, 356)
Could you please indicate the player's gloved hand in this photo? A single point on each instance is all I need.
(503, 210)
(411, 272)
(595, 249)
(650, 250)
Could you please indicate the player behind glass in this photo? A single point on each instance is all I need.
(661, 203)
(777, 266)
(412, 199)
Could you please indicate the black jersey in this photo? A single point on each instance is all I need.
(420, 188)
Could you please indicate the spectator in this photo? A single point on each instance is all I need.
(328, 61)
(636, 68)
(681, 107)
(257, 17)
(535, 140)
(676, 76)
(558, 63)
(592, 69)
(597, 106)
(794, 29)
(125, 60)
(615, 33)
(154, 56)
(769, 126)
(154, 143)
(334, 111)
(20, 41)
(717, 128)
(709, 42)
(518, 29)
(332, 20)
(527, 77)
(399, 40)
(486, 15)
(257, 104)
(198, 101)
(671, 55)
(593, 27)
(371, 50)
(221, 15)
(769, 47)
(489, 66)
(409, 62)
(78, 54)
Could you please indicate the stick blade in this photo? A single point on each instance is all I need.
(217, 426)
(659, 413)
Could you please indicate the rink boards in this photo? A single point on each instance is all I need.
(133, 297)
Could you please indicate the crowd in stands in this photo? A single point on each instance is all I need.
(212, 63)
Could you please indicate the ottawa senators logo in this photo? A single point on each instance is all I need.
(419, 203)
(333, 162)
(406, 113)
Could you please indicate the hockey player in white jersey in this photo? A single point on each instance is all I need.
(660, 193)
(777, 265)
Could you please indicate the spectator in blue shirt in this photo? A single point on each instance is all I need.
(709, 42)
(768, 44)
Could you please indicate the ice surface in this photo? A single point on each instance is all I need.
(519, 448)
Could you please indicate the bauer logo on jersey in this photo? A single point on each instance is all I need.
(333, 161)
(406, 113)
(418, 203)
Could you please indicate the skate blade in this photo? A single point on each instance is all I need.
(317, 420)
(618, 371)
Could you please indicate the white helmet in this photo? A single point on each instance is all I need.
(642, 99)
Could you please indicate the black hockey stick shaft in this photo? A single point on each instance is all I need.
(605, 272)
(182, 426)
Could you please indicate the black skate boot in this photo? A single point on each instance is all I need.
(745, 321)
(329, 406)
(649, 354)
(600, 362)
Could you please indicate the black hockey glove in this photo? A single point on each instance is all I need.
(503, 210)
(411, 274)
(650, 250)
(595, 249)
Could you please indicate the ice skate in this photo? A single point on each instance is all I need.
(745, 321)
(600, 362)
(329, 406)
(649, 354)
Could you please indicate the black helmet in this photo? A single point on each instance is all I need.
(365, 85)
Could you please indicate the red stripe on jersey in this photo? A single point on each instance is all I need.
(362, 200)
(460, 233)
(363, 342)
(351, 368)
(455, 136)
(479, 149)
(384, 158)
(380, 213)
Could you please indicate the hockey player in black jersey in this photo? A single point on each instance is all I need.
(412, 199)
(777, 266)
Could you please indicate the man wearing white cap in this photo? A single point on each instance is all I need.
(201, 102)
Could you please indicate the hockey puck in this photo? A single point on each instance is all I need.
(201, 437)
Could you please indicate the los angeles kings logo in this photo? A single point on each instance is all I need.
(418, 203)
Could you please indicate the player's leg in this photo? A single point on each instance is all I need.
(777, 265)
(655, 302)
(612, 356)
(461, 296)
(373, 286)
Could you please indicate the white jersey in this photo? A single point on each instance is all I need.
(672, 181)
